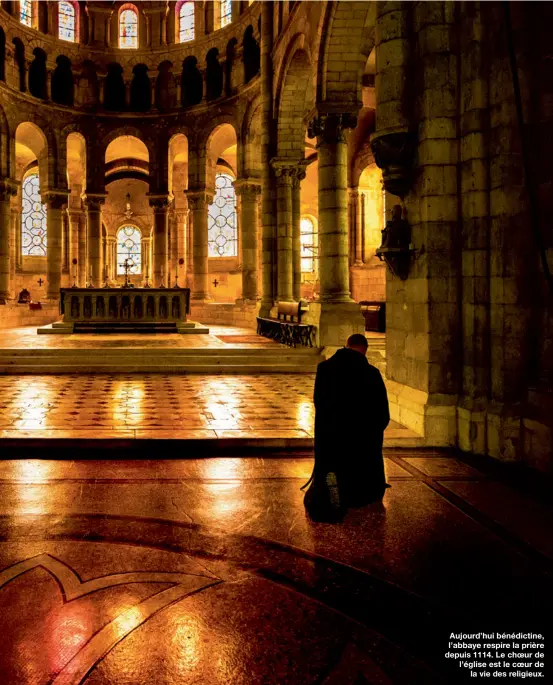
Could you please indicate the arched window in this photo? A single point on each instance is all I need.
(309, 245)
(33, 219)
(226, 12)
(186, 21)
(129, 250)
(128, 27)
(67, 21)
(26, 12)
(221, 220)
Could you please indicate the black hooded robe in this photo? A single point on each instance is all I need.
(351, 413)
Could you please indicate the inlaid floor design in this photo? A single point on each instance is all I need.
(161, 406)
(206, 571)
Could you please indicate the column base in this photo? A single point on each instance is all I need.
(335, 322)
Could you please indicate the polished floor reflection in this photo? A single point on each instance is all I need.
(207, 571)
(157, 406)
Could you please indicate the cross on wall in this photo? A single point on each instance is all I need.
(40, 282)
(215, 283)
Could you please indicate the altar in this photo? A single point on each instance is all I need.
(103, 309)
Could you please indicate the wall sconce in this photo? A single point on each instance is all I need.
(396, 249)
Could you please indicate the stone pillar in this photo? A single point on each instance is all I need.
(285, 171)
(14, 224)
(74, 219)
(7, 189)
(54, 200)
(82, 265)
(248, 191)
(146, 245)
(268, 212)
(111, 254)
(333, 204)
(296, 233)
(355, 208)
(190, 250)
(181, 228)
(173, 249)
(160, 204)
(94, 204)
(198, 201)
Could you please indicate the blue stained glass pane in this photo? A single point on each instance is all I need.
(128, 29)
(226, 12)
(186, 22)
(221, 219)
(26, 12)
(129, 250)
(66, 21)
(33, 219)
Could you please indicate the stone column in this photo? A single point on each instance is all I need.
(248, 191)
(111, 253)
(54, 200)
(181, 229)
(94, 204)
(355, 225)
(146, 245)
(7, 189)
(285, 171)
(160, 274)
(268, 212)
(198, 201)
(74, 219)
(15, 222)
(82, 266)
(333, 204)
(296, 233)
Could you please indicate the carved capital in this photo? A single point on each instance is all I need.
(331, 128)
(286, 170)
(55, 198)
(247, 189)
(394, 154)
(160, 203)
(8, 189)
(198, 199)
(94, 201)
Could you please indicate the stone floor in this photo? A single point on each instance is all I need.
(207, 572)
(156, 406)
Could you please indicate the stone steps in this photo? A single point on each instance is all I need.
(161, 360)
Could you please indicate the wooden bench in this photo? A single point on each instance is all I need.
(287, 328)
(375, 316)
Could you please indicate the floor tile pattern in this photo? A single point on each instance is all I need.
(207, 571)
(162, 406)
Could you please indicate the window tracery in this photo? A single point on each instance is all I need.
(309, 245)
(186, 21)
(128, 27)
(26, 12)
(129, 250)
(33, 219)
(226, 12)
(221, 221)
(67, 21)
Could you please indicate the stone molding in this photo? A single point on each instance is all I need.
(331, 128)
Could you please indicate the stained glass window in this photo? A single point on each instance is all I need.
(221, 219)
(309, 245)
(26, 12)
(226, 12)
(128, 28)
(33, 219)
(129, 250)
(186, 22)
(66, 21)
